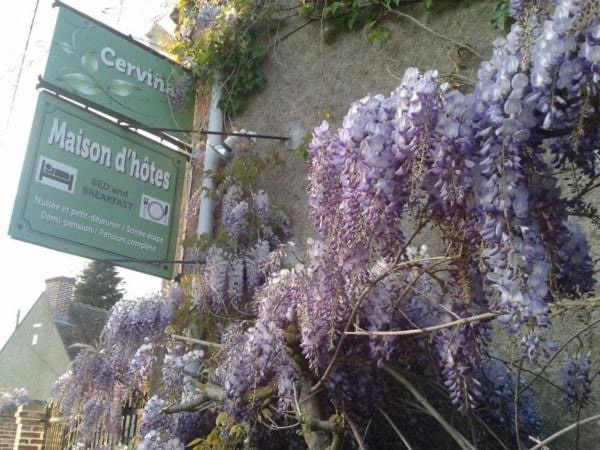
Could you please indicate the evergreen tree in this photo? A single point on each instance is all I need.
(98, 285)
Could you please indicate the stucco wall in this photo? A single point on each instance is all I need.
(309, 75)
(34, 367)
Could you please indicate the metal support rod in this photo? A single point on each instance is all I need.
(212, 132)
(156, 262)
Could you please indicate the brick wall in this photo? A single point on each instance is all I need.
(8, 430)
(59, 291)
(30, 425)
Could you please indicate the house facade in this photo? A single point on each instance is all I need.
(41, 347)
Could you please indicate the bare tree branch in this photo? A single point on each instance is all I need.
(372, 284)
(477, 318)
(462, 442)
(211, 392)
(208, 393)
(565, 430)
(435, 33)
(357, 436)
(196, 341)
(394, 427)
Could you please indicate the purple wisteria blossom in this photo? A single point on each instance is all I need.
(576, 380)
(11, 400)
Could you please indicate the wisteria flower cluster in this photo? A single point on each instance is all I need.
(175, 364)
(499, 390)
(133, 323)
(253, 229)
(101, 379)
(475, 167)
(577, 380)
(11, 400)
(91, 392)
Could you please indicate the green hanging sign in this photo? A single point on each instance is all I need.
(93, 189)
(109, 71)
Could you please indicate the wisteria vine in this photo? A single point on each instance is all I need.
(309, 343)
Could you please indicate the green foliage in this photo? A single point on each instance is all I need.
(98, 285)
(204, 242)
(354, 14)
(302, 150)
(233, 41)
(246, 167)
(501, 15)
(230, 45)
(377, 32)
(351, 14)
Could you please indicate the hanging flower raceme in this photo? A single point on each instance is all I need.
(133, 323)
(576, 380)
(498, 401)
(11, 400)
(254, 230)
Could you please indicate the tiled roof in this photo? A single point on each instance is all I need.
(83, 325)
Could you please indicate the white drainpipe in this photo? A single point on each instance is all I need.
(211, 162)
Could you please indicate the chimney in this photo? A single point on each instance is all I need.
(59, 292)
(18, 318)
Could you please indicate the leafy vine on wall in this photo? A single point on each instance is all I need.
(232, 37)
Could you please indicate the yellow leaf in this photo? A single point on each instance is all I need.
(213, 437)
(236, 431)
(195, 441)
(222, 419)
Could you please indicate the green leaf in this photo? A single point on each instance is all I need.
(306, 10)
(90, 62)
(65, 47)
(370, 25)
(81, 83)
(501, 14)
(336, 6)
(379, 33)
(222, 419)
(427, 3)
(352, 18)
(122, 88)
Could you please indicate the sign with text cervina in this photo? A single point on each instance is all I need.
(93, 63)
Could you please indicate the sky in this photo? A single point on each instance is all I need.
(25, 267)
